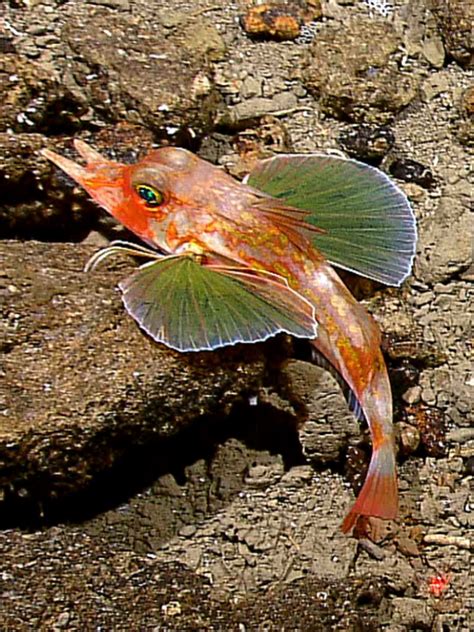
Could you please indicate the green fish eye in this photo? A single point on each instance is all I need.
(152, 196)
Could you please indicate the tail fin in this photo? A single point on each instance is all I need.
(379, 494)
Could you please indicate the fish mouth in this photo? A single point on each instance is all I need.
(76, 171)
(98, 169)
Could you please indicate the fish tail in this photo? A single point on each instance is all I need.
(379, 494)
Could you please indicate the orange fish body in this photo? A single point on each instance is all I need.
(181, 204)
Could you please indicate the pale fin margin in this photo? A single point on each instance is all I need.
(190, 306)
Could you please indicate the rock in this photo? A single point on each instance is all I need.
(435, 85)
(134, 70)
(280, 20)
(35, 99)
(466, 125)
(81, 383)
(354, 73)
(203, 40)
(433, 50)
(251, 87)
(412, 171)
(463, 435)
(409, 437)
(412, 395)
(438, 260)
(257, 107)
(467, 102)
(411, 613)
(329, 424)
(6, 45)
(367, 143)
(408, 546)
(122, 5)
(455, 19)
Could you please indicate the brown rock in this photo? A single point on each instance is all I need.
(203, 40)
(280, 20)
(136, 70)
(409, 437)
(329, 423)
(34, 99)
(411, 613)
(465, 130)
(467, 102)
(81, 383)
(354, 72)
(408, 547)
(455, 19)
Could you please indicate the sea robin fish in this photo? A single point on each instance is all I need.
(239, 262)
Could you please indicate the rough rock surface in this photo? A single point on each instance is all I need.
(78, 372)
(455, 19)
(356, 73)
(232, 521)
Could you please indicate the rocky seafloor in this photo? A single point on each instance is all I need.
(144, 489)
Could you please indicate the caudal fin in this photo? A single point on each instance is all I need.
(379, 494)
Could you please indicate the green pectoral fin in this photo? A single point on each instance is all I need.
(193, 307)
(370, 226)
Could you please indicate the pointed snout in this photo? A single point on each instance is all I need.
(76, 171)
(96, 168)
(103, 179)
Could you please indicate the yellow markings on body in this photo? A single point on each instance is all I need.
(245, 216)
(356, 334)
(339, 304)
(331, 326)
(284, 241)
(279, 243)
(251, 262)
(192, 248)
(213, 227)
(354, 362)
(283, 271)
(378, 435)
(298, 257)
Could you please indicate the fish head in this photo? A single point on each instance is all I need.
(141, 196)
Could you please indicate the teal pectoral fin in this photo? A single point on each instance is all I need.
(193, 307)
(369, 225)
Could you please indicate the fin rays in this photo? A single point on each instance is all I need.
(190, 306)
(356, 205)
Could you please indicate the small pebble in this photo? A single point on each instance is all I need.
(461, 435)
(469, 467)
(372, 549)
(412, 395)
(409, 438)
(408, 547)
(412, 171)
(467, 102)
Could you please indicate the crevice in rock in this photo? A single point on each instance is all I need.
(262, 428)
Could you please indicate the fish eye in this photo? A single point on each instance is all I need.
(150, 195)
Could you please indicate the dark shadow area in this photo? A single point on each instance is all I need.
(259, 427)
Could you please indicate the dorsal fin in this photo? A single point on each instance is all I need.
(369, 226)
(291, 220)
